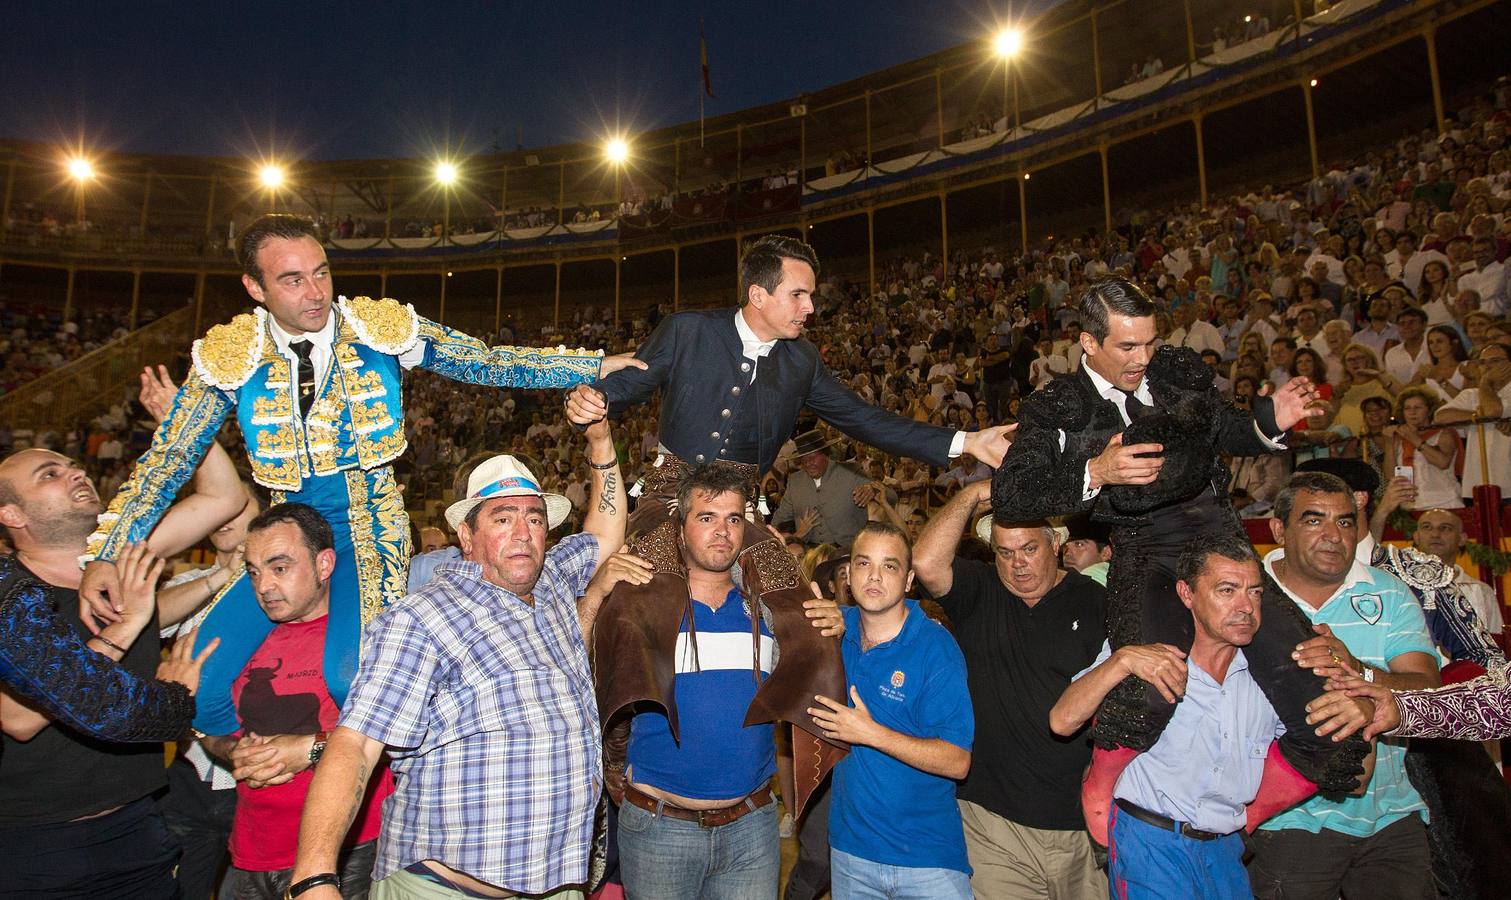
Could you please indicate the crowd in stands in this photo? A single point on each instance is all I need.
(1383, 281)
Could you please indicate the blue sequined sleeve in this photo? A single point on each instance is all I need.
(44, 663)
(463, 358)
(178, 446)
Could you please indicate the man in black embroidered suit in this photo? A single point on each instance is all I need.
(1134, 438)
(732, 383)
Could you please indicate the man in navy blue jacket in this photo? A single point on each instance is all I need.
(733, 382)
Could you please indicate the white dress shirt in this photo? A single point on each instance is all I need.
(320, 347)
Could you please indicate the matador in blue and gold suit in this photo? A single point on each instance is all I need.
(337, 458)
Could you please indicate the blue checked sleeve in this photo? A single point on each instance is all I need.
(391, 697)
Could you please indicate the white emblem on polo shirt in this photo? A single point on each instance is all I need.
(1368, 606)
(898, 678)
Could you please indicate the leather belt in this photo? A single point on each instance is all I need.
(707, 818)
(1168, 824)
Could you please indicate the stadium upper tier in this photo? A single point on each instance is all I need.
(1080, 78)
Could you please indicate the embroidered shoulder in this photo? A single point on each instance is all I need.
(228, 354)
(1422, 571)
(385, 325)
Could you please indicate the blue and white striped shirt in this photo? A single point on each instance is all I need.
(487, 707)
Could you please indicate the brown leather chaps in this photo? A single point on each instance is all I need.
(635, 639)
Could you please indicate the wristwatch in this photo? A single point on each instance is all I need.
(1369, 672)
(317, 749)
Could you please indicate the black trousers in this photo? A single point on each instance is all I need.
(200, 820)
(1393, 864)
(1143, 608)
(125, 855)
(810, 874)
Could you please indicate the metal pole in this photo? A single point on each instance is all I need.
(739, 156)
(939, 104)
(503, 205)
(561, 199)
(388, 212)
(1429, 34)
(383, 282)
(944, 227)
(1106, 190)
(676, 277)
(1190, 32)
(498, 299)
(617, 265)
(868, 139)
(209, 219)
(1023, 209)
(136, 298)
(68, 295)
(871, 246)
(676, 165)
(556, 307)
(1201, 161)
(1096, 54)
(1297, 6)
(141, 226)
(802, 155)
(199, 299)
(10, 186)
(1311, 127)
(441, 316)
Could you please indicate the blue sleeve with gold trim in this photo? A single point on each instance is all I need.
(463, 358)
(178, 446)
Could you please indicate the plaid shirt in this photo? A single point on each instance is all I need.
(488, 711)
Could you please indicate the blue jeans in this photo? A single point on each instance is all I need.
(672, 859)
(861, 879)
(1146, 862)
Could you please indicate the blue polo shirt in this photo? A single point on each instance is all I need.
(884, 810)
(1377, 618)
(719, 756)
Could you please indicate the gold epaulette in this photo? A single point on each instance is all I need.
(385, 325)
(228, 354)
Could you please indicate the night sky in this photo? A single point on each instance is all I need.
(326, 80)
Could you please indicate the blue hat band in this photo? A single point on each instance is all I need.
(507, 484)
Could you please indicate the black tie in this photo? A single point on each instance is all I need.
(1136, 408)
(304, 374)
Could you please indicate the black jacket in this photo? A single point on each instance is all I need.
(697, 361)
(1192, 421)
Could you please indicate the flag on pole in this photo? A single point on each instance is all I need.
(708, 85)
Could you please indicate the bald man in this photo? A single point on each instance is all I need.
(1440, 532)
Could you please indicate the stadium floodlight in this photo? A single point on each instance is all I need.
(1008, 42)
(617, 151)
(1314, 82)
(80, 168)
(445, 173)
(271, 175)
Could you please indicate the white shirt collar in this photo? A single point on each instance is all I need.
(753, 346)
(1108, 392)
(322, 338)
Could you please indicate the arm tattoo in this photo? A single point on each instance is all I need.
(606, 502)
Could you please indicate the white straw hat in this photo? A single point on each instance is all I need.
(505, 476)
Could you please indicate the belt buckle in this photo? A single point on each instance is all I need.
(701, 812)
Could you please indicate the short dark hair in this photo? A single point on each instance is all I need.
(886, 529)
(1312, 482)
(762, 262)
(711, 481)
(1411, 311)
(264, 229)
(1288, 343)
(312, 526)
(1106, 296)
(1193, 557)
